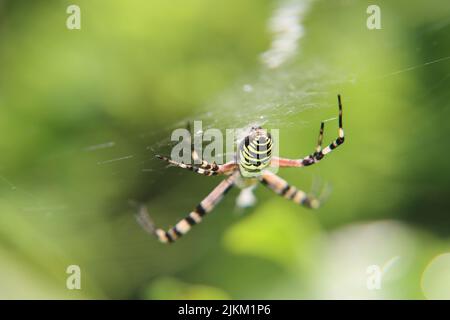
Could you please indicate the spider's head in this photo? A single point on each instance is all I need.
(258, 134)
(254, 128)
(255, 152)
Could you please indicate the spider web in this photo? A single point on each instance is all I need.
(276, 94)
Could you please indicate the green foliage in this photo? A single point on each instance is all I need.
(172, 289)
(83, 112)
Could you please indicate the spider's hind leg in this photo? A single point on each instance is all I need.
(195, 217)
(284, 189)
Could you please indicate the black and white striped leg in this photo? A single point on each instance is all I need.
(196, 216)
(281, 187)
(205, 169)
(320, 139)
(201, 167)
(196, 160)
(319, 152)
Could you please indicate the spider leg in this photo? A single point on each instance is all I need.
(320, 139)
(204, 168)
(194, 154)
(319, 153)
(281, 187)
(196, 160)
(207, 170)
(196, 216)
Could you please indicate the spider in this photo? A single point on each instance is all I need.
(250, 166)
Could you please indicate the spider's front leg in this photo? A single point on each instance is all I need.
(204, 168)
(194, 154)
(319, 153)
(196, 216)
(284, 189)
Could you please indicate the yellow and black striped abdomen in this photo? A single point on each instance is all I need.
(255, 153)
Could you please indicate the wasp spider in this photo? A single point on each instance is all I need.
(250, 165)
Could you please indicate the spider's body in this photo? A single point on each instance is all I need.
(250, 166)
(255, 152)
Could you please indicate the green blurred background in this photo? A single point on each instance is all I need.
(83, 112)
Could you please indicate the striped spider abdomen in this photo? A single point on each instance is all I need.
(255, 152)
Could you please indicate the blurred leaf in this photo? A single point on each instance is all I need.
(173, 289)
(279, 231)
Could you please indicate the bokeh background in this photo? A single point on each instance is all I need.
(83, 112)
